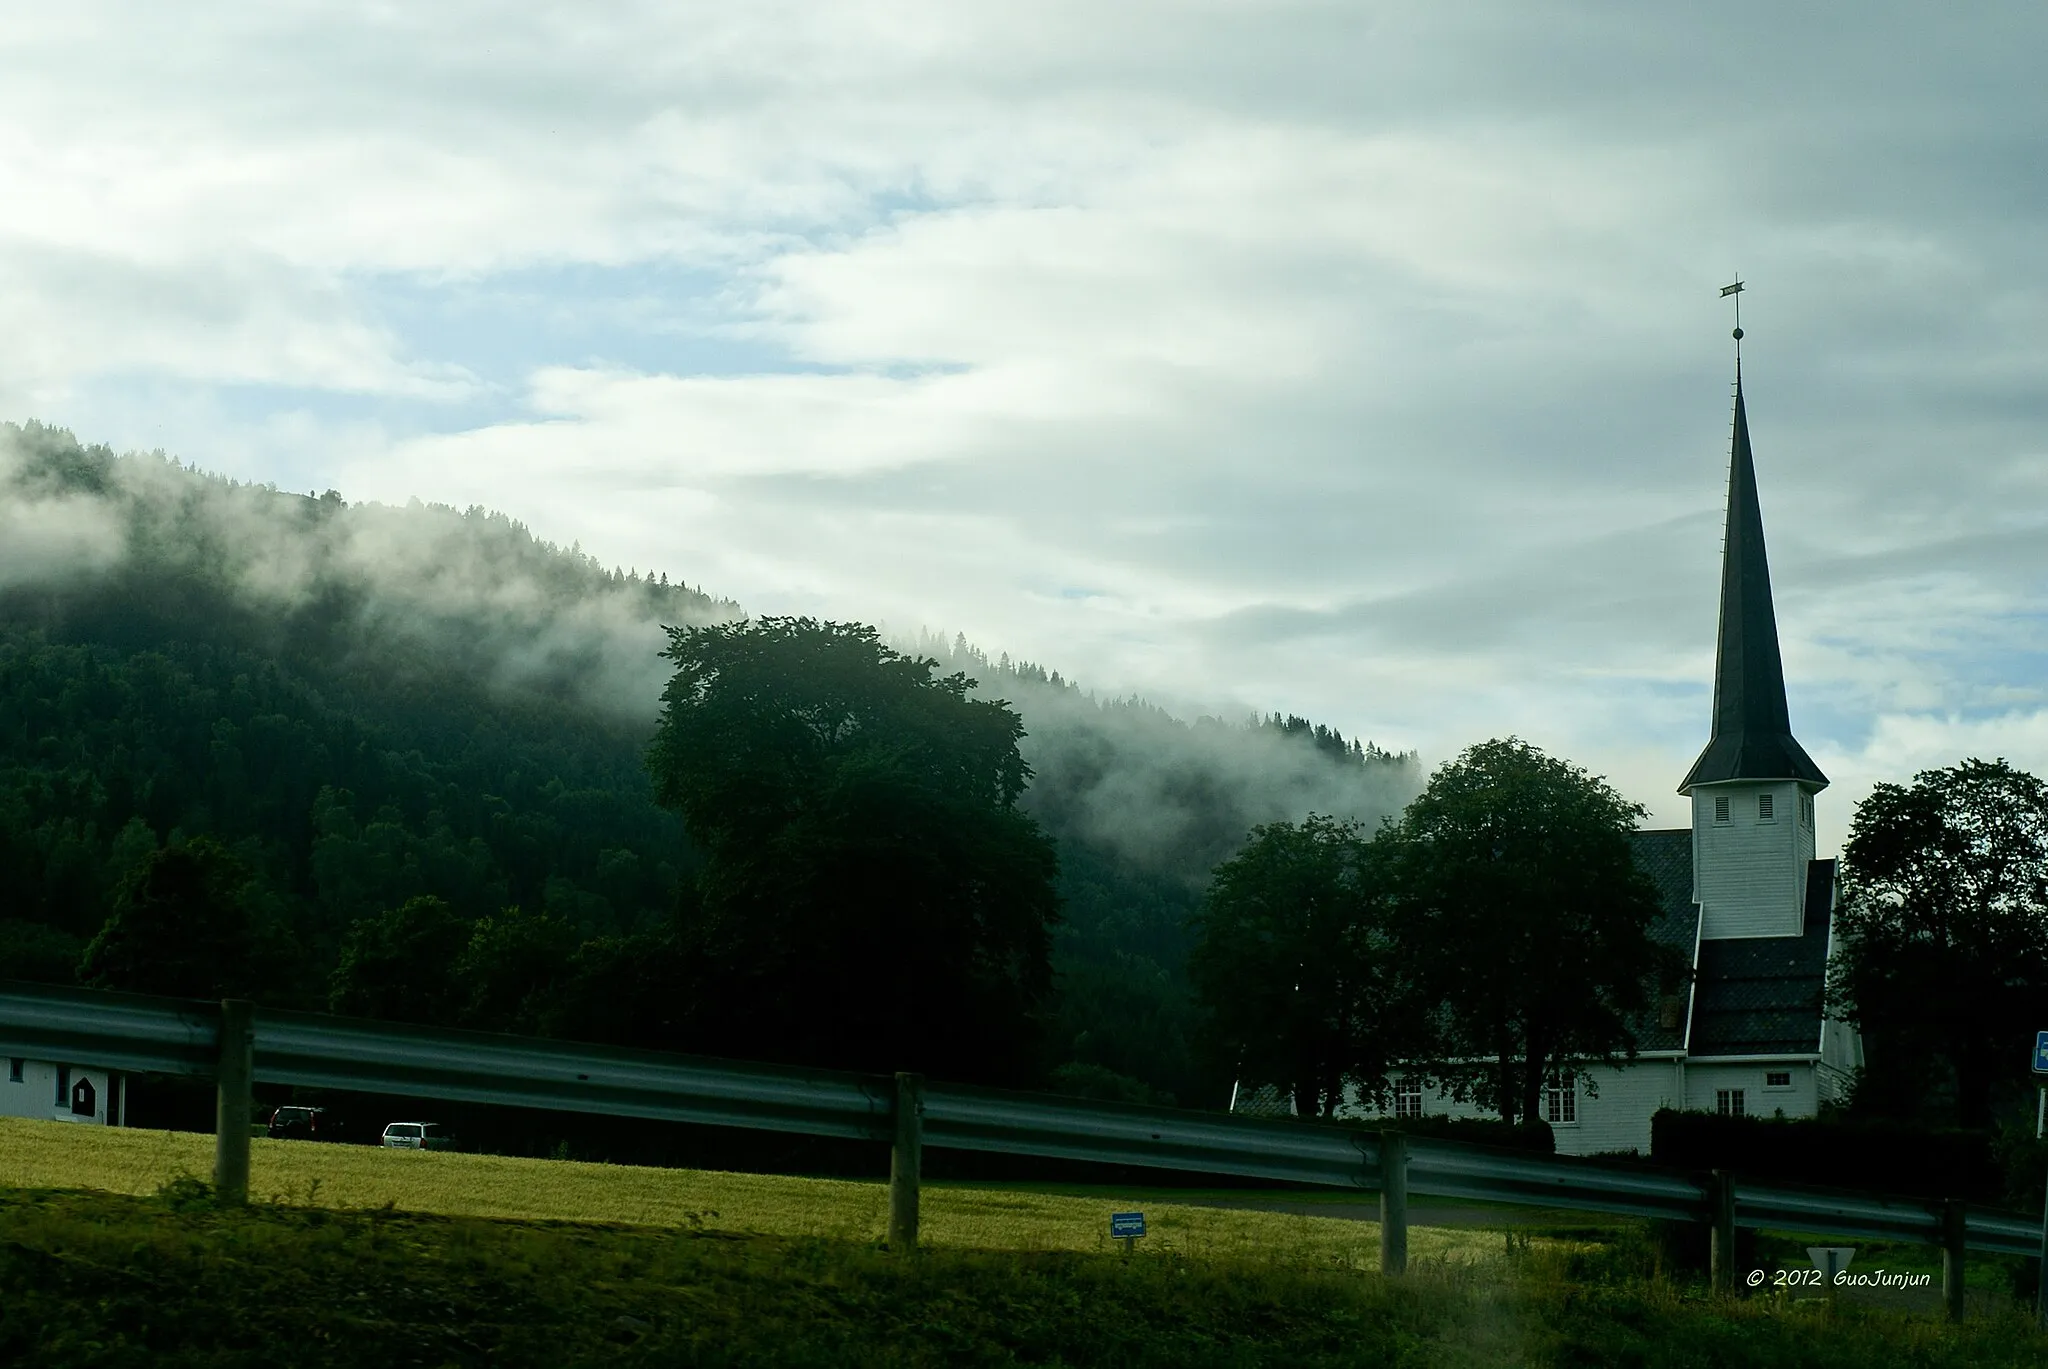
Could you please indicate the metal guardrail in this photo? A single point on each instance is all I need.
(183, 1037)
(1161, 1138)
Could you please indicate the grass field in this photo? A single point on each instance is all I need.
(40, 1154)
(91, 1279)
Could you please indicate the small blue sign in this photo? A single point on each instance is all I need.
(1124, 1226)
(2041, 1052)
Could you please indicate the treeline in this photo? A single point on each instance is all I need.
(367, 709)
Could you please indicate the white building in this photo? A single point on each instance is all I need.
(65, 1093)
(1745, 901)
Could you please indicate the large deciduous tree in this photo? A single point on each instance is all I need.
(401, 964)
(180, 926)
(1527, 921)
(1943, 922)
(1295, 964)
(871, 895)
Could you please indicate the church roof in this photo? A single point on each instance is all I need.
(1666, 857)
(1752, 736)
(1762, 995)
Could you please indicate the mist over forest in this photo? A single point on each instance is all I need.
(365, 704)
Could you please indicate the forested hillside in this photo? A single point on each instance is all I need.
(364, 705)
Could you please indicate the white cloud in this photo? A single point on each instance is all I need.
(1359, 361)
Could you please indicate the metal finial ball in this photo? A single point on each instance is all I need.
(1738, 335)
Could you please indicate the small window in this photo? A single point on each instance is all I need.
(14, 1064)
(1407, 1099)
(1777, 1079)
(1561, 1105)
(1729, 1103)
(1764, 808)
(1721, 808)
(63, 1086)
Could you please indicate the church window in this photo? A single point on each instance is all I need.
(14, 1064)
(1561, 1105)
(1408, 1098)
(1765, 808)
(1721, 808)
(1806, 809)
(1777, 1079)
(1729, 1103)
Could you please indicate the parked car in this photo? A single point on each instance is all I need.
(294, 1123)
(417, 1136)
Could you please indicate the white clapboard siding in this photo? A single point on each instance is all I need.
(1749, 874)
(1703, 1084)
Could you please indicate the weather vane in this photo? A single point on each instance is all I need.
(1736, 290)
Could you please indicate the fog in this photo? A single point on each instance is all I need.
(523, 616)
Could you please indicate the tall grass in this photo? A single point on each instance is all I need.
(92, 1279)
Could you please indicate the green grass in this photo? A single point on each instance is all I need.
(42, 1154)
(111, 1253)
(90, 1279)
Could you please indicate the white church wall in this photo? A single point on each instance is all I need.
(1799, 1097)
(1617, 1118)
(36, 1092)
(1750, 872)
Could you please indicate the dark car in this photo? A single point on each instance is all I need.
(303, 1124)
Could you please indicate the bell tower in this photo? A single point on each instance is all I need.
(1753, 787)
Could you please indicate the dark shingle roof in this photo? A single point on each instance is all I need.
(1752, 736)
(1762, 995)
(1666, 857)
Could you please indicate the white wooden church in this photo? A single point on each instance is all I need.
(1745, 900)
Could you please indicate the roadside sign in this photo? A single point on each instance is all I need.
(1126, 1226)
(2041, 1052)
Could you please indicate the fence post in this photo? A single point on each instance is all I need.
(1393, 1202)
(1721, 1241)
(2041, 1271)
(1954, 1241)
(906, 1158)
(234, 1076)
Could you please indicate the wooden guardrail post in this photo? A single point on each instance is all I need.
(1954, 1240)
(1721, 1238)
(2041, 1271)
(233, 1105)
(1393, 1202)
(906, 1158)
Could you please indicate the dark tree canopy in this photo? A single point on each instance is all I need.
(179, 927)
(401, 964)
(871, 895)
(1528, 921)
(1943, 919)
(1296, 964)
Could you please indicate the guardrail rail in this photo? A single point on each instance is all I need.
(182, 1037)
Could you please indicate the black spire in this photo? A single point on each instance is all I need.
(1752, 737)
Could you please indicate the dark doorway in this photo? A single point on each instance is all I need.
(85, 1099)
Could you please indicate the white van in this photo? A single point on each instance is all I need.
(416, 1136)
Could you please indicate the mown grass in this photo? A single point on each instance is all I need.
(41, 1154)
(91, 1279)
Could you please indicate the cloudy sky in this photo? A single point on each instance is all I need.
(1357, 360)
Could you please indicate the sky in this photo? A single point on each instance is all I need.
(1362, 361)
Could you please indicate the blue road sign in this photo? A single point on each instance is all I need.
(1125, 1225)
(2041, 1052)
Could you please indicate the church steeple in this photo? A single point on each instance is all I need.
(1752, 737)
